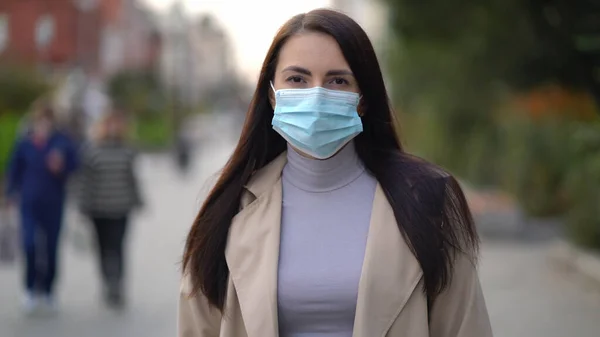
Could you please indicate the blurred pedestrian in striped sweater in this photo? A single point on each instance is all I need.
(109, 193)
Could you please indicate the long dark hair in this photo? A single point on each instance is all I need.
(429, 206)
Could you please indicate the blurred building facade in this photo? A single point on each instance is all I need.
(130, 38)
(176, 58)
(81, 43)
(371, 15)
(42, 31)
(213, 56)
(196, 56)
(101, 36)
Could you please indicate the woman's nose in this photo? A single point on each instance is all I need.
(318, 82)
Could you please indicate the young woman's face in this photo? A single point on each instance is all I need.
(313, 59)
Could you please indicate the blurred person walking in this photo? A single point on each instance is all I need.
(183, 150)
(109, 192)
(39, 169)
(321, 224)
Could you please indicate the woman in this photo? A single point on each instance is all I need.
(109, 193)
(38, 172)
(321, 224)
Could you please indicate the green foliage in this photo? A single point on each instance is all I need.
(453, 63)
(19, 88)
(583, 186)
(153, 132)
(457, 49)
(139, 92)
(9, 123)
(536, 162)
(452, 70)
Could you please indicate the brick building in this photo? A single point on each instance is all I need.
(74, 37)
(83, 33)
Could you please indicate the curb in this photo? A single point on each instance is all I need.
(584, 262)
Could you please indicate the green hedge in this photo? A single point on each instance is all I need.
(582, 185)
(553, 169)
(153, 132)
(19, 88)
(551, 165)
(536, 160)
(471, 154)
(9, 124)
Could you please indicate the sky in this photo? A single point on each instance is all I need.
(250, 24)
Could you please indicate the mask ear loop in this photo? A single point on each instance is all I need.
(272, 87)
(360, 114)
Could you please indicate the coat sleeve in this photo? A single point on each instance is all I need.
(460, 310)
(195, 317)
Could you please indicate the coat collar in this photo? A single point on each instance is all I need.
(263, 179)
(252, 255)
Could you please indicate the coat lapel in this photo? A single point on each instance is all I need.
(252, 252)
(390, 273)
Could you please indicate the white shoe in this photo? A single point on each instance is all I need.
(30, 304)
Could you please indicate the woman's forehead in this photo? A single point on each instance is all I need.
(316, 52)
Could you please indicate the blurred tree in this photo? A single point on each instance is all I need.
(570, 31)
(19, 88)
(495, 92)
(139, 92)
(522, 43)
(452, 61)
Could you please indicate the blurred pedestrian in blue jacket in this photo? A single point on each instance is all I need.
(42, 161)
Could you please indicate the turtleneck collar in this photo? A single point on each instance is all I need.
(314, 175)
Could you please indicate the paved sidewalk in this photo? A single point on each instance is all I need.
(528, 296)
(527, 292)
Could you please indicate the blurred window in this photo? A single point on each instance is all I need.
(4, 32)
(44, 31)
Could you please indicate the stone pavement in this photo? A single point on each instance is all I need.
(526, 295)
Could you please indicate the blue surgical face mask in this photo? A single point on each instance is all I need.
(317, 121)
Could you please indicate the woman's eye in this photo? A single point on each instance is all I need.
(295, 79)
(339, 81)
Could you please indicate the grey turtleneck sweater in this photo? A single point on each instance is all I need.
(324, 226)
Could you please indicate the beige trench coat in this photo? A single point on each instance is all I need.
(390, 297)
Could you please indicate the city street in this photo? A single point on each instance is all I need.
(526, 295)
